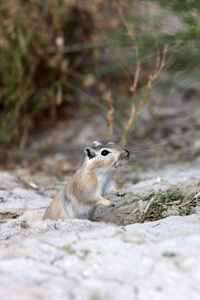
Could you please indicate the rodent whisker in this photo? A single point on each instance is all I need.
(139, 149)
(125, 168)
(146, 148)
(109, 170)
(138, 154)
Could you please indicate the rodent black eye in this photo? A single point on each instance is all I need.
(105, 152)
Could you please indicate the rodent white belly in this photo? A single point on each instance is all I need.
(104, 184)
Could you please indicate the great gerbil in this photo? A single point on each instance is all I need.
(79, 198)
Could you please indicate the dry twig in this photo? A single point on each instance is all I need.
(110, 117)
(152, 78)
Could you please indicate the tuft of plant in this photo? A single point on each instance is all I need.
(96, 296)
(69, 249)
(24, 224)
(169, 254)
(160, 202)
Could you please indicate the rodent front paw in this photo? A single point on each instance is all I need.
(107, 202)
(121, 194)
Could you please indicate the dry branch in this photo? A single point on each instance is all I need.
(110, 118)
(152, 78)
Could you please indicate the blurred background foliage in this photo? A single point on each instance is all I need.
(58, 55)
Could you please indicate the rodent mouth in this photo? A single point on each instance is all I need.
(128, 154)
(121, 162)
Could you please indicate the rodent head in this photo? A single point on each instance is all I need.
(106, 156)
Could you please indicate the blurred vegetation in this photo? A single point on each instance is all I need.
(33, 76)
(56, 54)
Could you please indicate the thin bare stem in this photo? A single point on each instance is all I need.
(146, 96)
(110, 118)
(131, 124)
(134, 87)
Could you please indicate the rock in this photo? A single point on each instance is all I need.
(155, 260)
(32, 215)
(81, 260)
(15, 199)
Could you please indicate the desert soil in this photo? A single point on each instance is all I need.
(114, 256)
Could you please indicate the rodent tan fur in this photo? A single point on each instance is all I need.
(79, 198)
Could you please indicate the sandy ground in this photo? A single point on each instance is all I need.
(80, 259)
(115, 256)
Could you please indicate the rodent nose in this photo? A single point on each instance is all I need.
(128, 153)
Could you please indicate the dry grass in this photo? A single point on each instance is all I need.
(33, 76)
(171, 200)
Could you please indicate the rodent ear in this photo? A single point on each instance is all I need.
(96, 143)
(111, 143)
(89, 152)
